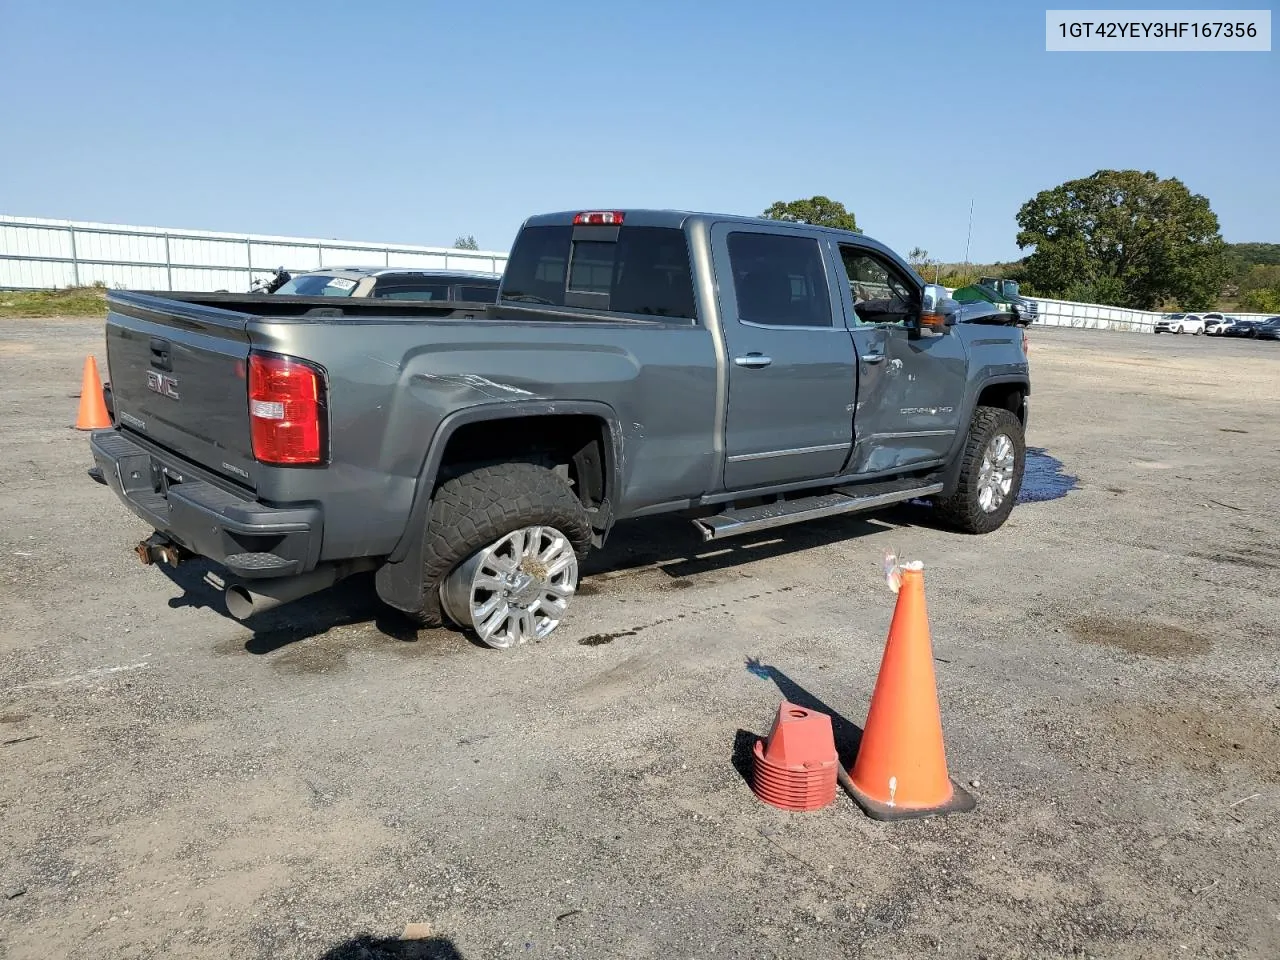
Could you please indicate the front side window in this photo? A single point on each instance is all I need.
(779, 280)
(881, 293)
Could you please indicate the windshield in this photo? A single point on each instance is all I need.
(318, 285)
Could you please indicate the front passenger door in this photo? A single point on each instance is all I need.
(911, 383)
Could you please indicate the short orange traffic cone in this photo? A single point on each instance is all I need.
(93, 409)
(796, 767)
(901, 767)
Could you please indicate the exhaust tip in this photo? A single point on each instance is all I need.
(239, 602)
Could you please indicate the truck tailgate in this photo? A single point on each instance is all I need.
(178, 377)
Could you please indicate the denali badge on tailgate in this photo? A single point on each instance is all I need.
(162, 384)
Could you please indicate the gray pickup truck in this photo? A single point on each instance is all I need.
(745, 373)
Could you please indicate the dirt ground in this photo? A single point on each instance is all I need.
(172, 784)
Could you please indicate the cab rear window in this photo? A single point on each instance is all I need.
(635, 270)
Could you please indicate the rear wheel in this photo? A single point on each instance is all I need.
(502, 553)
(991, 469)
(516, 589)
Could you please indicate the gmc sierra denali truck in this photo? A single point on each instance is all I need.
(746, 373)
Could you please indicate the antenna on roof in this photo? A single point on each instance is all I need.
(968, 237)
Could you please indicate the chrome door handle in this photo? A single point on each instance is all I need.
(753, 360)
(872, 357)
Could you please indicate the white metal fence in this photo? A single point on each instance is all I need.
(1093, 316)
(45, 254)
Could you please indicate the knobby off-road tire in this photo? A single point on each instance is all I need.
(964, 509)
(472, 511)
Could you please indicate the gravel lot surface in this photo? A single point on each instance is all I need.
(174, 785)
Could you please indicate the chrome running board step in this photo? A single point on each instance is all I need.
(849, 499)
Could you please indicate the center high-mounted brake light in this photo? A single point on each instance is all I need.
(286, 410)
(612, 218)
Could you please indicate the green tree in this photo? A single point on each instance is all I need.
(1266, 300)
(1260, 289)
(820, 211)
(1124, 238)
(921, 263)
(466, 243)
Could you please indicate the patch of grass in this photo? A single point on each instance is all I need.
(71, 302)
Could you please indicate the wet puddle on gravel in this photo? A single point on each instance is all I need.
(1142, 637)
(1043, 478)
(600, 639)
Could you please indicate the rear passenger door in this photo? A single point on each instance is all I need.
(790, 359)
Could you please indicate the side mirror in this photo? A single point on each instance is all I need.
(937, 311)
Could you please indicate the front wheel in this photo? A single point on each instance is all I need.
(1179, 330)
(991, 468)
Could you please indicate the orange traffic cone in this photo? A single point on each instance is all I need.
(901, 767)
(93, 409)
(796, 767)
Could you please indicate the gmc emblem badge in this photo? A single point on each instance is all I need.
(162, 384)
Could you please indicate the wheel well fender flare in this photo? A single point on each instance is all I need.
(425, 485)
(951, 474)
(399, 580)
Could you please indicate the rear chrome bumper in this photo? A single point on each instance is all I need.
(251, 539)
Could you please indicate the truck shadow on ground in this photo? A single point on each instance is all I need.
(366, 947)
(669, 545)
(848, 735)
(672, 546)
(352, 601)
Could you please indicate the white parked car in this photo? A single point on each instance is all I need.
(1217, 323)
(1181, 323)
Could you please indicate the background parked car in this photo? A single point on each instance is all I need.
(1181, 323)
(1241, 328)
(1004, 294)
(1268, 329)
(395, 283)
(1216, 323)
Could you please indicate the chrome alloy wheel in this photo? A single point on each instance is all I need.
(516, 589)
(995, 479)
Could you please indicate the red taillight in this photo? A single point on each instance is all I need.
(611, 218)
(286, 410)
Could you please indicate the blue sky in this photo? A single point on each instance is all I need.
(415, 122)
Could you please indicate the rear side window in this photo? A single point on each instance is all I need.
(481, 293)
(779, 281)
(411, 290)
(637, 270)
